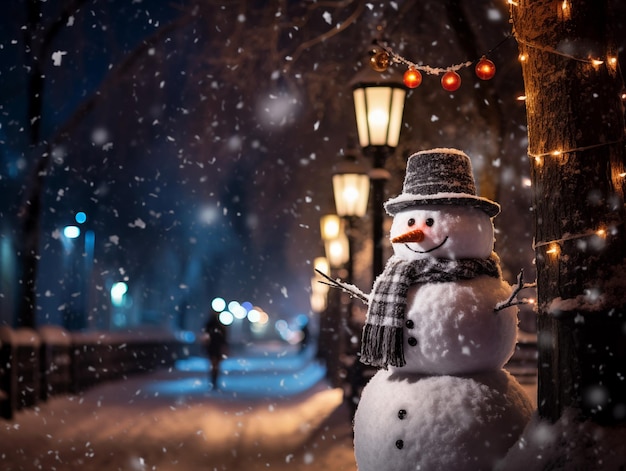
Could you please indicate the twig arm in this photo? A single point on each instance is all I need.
(513, 301)
(345, 287)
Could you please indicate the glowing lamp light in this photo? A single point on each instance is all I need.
(330, 226)
(412, 78)
(337, 251)
(351, 186)
(321, 264)
(378, 106)
(485, 69)
(451, 81)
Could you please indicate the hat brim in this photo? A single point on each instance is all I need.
(407, 200)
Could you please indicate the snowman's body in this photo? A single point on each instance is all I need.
(451, 406)
(427, 422)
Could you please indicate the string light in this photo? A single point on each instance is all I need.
(565, 11)
(554, 247)
(557, 153)
(523, 56)
(451, 81)
(412, 78)
(383, 57)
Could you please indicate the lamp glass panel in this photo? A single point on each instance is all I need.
(321, 264)
(395, 117)
(351, 192)
(330, 226)
(378, 105)
(360, 111)
(337, 251)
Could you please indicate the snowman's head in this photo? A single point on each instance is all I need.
(442, 231)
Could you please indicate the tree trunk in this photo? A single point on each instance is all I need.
(576, 149)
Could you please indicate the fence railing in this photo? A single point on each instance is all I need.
(35, 365)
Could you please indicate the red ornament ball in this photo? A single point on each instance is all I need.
(451, 81)
(485, 69)
(412, 78)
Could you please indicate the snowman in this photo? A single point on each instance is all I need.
(441, 400)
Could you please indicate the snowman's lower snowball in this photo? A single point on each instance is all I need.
(418, 422)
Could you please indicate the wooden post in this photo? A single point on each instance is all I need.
(576, 148)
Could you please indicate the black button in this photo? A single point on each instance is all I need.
(399, 444)
(409, 323)
(401, 414)
(412, 341)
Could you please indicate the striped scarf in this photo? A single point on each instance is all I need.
(382, 341)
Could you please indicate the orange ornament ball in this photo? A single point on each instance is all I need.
(380, 61)
(451, 81)
(412, 78)
(485, 69)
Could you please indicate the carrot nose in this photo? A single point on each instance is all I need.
(412, 236)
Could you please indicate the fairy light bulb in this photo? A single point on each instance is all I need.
(412, 78)
(553, 250)
(451, 81)
(485, 69)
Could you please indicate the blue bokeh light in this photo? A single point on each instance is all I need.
(71, 232)
(80, 217)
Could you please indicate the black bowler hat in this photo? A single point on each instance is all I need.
(439, 176)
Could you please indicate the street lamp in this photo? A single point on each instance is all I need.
(351, 187)
(378, 105)
(335, 240)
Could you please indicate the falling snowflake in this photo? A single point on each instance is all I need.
(57, 57)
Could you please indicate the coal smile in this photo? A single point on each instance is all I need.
(429, 250)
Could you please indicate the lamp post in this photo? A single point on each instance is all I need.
(351, 192)
(378, 105)
(336, 245)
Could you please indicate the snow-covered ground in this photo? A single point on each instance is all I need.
(273, 412)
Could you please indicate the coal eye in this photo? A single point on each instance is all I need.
(430, 222)
(411, 222)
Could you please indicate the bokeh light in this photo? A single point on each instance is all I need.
(218, 304)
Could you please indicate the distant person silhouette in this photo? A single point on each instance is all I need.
(216, 346)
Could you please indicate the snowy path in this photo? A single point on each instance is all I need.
(274, 413)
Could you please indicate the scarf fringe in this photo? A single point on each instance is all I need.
(382, 346)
